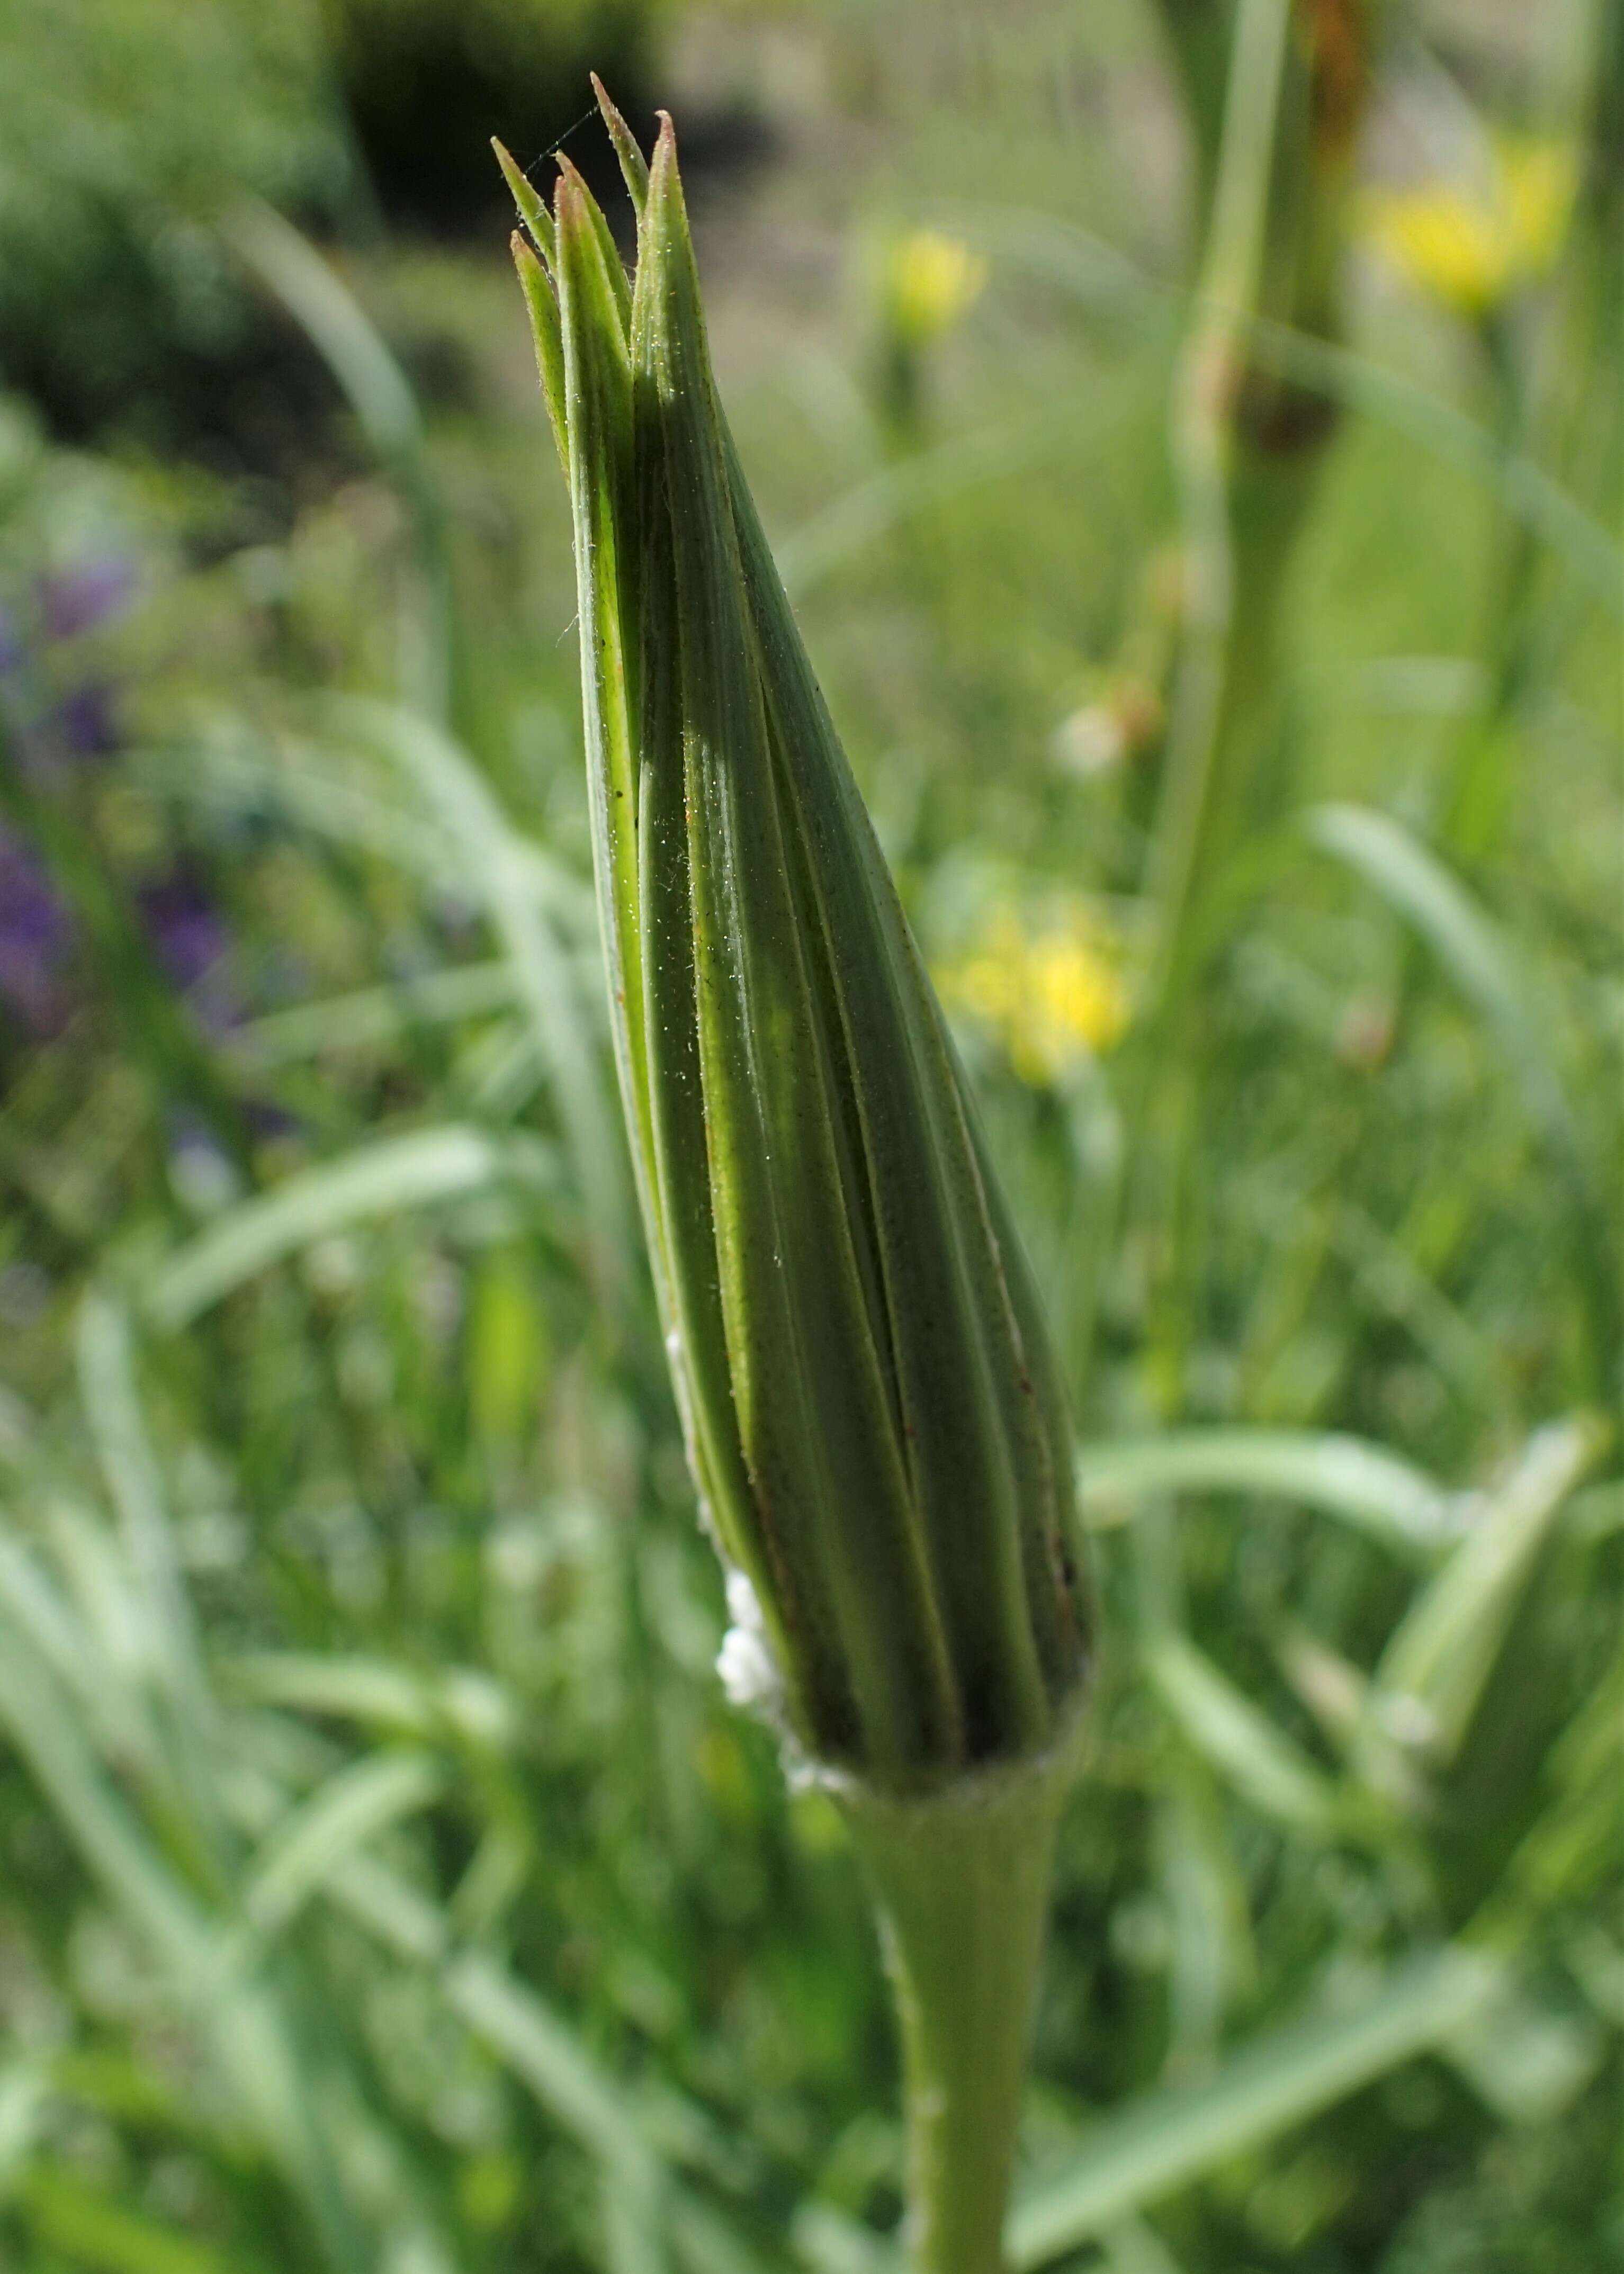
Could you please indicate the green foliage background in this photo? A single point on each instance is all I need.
(383, 1881)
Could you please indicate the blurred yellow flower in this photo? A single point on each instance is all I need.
(1053, 997)
(1473, 249)
(928, 282)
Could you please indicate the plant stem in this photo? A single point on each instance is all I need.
(1215, 360)
(962, 1880)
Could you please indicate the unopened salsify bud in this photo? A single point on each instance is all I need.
(872, 1409)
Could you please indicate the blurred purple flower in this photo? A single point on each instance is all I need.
(56, 737)
(78, 600)
(185, 928)
(269, 1121)
(192, 942)
(35, 937)
(85, 722)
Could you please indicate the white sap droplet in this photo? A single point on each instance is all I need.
(747, 1673)
(744, 1662)
(743, 1605)
(674, 1347)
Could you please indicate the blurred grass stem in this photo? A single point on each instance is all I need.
(1205, 694)
(378, 391)
(1203, 444)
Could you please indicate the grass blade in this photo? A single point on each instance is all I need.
(1418, 886)
(456, 1702)
(541, 2052)
(378, 1179)
(1240, 1741)
(853, 522)
(89, 2229)
(113, 1713)
(830, 2242)
(508, 2018)
(356, 1804)
(1363, 1483)
(118, 1433)
(374, 1014)
(1152, 2148)
(245, 2029)
(380, 396)
(1101, 277)
(233, 776)
(48, 1732)
(511, 877)
(703, 2244)
(631, 2239)
(1133, 2248)
(1442, 1653)
(25, 2095)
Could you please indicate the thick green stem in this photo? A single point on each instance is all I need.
(961, 1878)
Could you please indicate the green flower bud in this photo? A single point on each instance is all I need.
(872, 1409)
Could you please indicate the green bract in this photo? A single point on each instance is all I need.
(871, 1406)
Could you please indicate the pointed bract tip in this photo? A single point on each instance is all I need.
(608, 110)
(634, 165)
(580, 224)
(570, 198)
(666, 215)
(527, 198)
(512, 172)
(663, 176)
(578, 214)
(574, 207)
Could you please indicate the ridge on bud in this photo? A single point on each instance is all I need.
(871, 1406)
